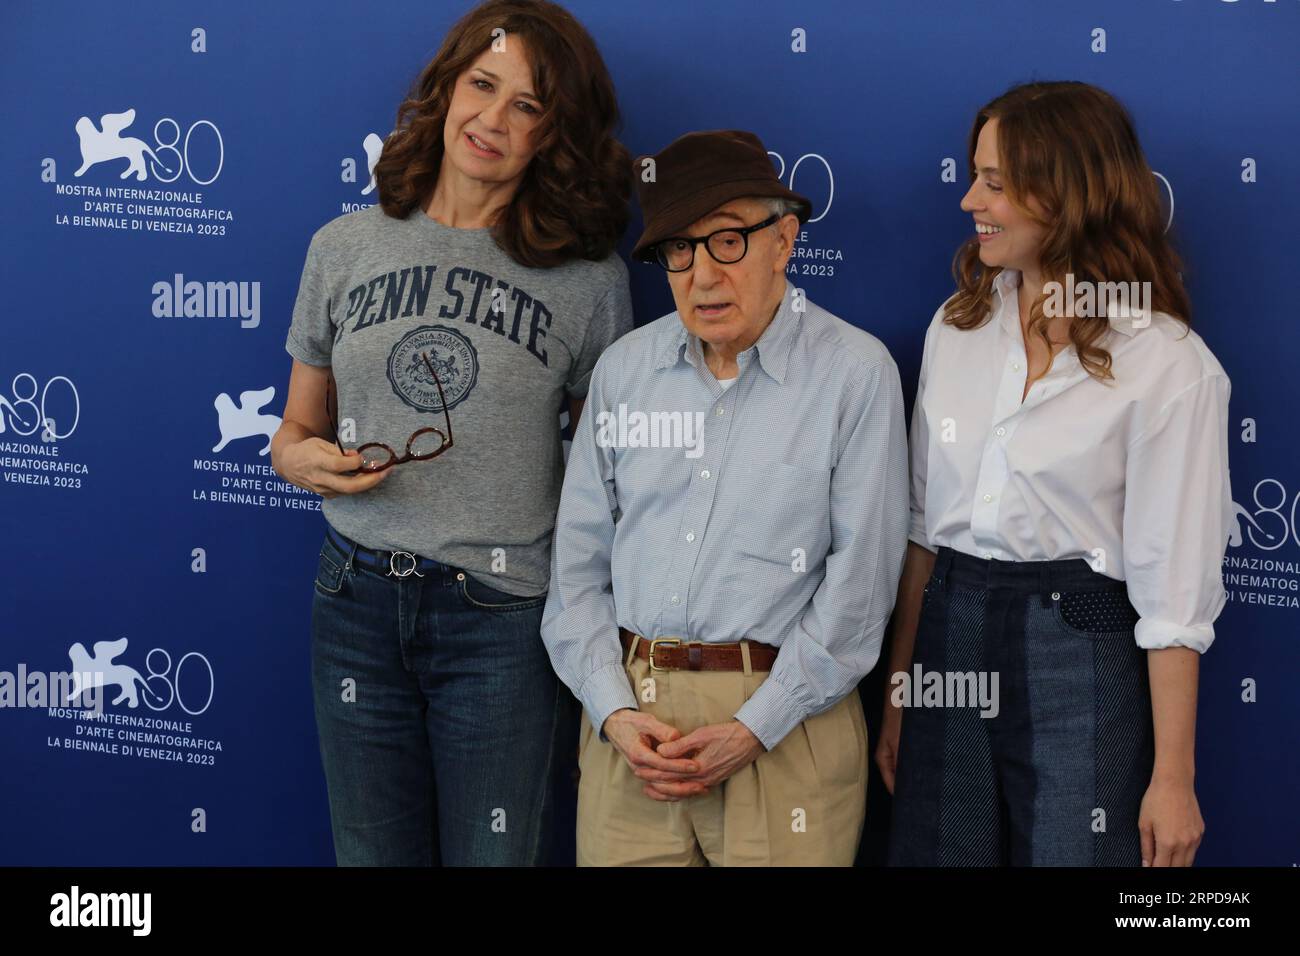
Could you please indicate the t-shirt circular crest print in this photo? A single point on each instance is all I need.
(451, 358)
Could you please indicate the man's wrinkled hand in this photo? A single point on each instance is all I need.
(636, 735)
(719, 750)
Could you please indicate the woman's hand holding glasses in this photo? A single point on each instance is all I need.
(317, 465)
(329, 469)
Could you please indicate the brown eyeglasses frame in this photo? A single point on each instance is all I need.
(393, 459)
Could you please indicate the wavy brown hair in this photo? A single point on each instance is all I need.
(573, 199)
(1074, 149)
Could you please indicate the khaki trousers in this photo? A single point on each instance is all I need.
(800, 804)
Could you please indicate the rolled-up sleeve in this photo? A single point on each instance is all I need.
(579, 623)
(836, 641)
(1177, 509)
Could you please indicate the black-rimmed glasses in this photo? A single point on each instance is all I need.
(677, 253)
(424, 443)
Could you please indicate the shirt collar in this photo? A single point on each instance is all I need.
(1005, 284)
(773, 346)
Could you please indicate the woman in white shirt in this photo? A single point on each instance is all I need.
(1070, 512)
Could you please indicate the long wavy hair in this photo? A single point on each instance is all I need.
(1073, 148)
(573, 199)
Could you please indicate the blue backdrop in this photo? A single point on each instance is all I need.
(249, 131)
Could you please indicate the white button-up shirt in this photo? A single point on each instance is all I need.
(1130, 475)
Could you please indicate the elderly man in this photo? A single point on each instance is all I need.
(729, 541)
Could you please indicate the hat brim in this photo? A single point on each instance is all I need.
(673, 219)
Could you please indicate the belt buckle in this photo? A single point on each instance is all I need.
(392, 565)
(655, 643)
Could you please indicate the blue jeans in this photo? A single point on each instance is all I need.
(1054, 777)
(442, 723)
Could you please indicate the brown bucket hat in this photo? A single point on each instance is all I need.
(698, 172)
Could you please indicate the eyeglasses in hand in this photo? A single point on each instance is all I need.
(424, 443)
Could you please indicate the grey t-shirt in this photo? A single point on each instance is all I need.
(508, 343)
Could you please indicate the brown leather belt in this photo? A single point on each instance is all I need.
(674, 654)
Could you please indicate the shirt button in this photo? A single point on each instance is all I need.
(721, 410)
(987, 556)
(988, 497)
(676, 600)
(1016, 366)
(1001, 432)
(690, 536)
(704, 473)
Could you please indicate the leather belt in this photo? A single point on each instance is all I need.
(674, 654)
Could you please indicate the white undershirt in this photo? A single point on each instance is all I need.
(1131, 475)
(726, 382)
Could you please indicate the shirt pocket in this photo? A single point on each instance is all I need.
(783, 513)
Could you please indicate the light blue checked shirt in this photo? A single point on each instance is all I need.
(786, 524)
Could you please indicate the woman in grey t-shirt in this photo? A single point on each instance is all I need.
(452, 323)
